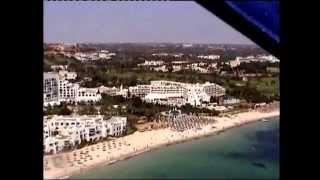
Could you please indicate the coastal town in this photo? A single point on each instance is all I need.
(107, 102)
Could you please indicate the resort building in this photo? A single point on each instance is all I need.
(50, 88)
(67, 75)
(92, 56)
(176, 93)
(179, 62)
(62, 132)
(162, 68)
(259, 58)
(160, 54)
(234, 63)
(152, 63)
(113, 91)
(58, 67)
(116, 126)
(231, 101)
(67, 91)
(176, 68)
(273, 69)
(87, 95)
(58, 89)
(200, 69)
(210, 57)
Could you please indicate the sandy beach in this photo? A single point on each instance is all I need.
(66, 164)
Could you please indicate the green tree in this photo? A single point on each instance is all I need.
(170, 69)
(64, 110)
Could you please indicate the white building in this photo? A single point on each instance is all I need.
(87, 95)
(58, 67)
(187, 45)
(60, 132)
(176, 93)
(50, 89)
(122, 92)
(57, 89)
(178, 55)
(268, 58)
(67, 75)
(139, 90)
(200, 69)
(151, 63)
(231, 101)
(273, 69)
(67, 91)
(210, 57)
(92, 56)
(234, 63)
(173, 99)
(160, 54)
(176, 68)
(160, 68)
(259, 58)
(108, 90)
(180, 62)
(116, 125)
(114, 91)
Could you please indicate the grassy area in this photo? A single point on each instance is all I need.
(267, 86)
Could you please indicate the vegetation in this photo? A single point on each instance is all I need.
(122, 70)
(191, 109)
(256, 67)
(62, 109)
(256, 90)
(87, 110)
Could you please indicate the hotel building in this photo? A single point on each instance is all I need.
(51, 88)
(60, 132)
(176, 93)
(113, 91)
(57, 89)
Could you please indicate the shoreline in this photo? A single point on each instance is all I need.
(143, 142)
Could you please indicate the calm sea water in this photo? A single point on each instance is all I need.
(247, 152)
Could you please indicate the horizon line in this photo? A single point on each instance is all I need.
(149, 43)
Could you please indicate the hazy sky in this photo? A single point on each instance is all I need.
(105, 22)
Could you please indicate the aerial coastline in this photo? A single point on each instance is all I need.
(113, 91)
(70, 163)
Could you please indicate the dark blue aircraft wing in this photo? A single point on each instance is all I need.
(258, 20)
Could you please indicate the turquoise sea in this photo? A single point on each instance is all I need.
(247, 152)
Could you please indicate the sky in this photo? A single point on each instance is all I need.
(119, 22)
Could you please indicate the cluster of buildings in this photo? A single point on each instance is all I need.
(61, 132)
(114, 91)
(187, 45)
(176, 93)
(161, 66)
(234, 63)
(57, 88)
(204, 67)
(224, 104)
(154, 65)
(61, 47)
(209, 57)
(73, 50)
(151, 63)
(176, 55)
(58, 67)
(258, 58)
(92, 56)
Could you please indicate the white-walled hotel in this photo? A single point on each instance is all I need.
(60, 132)
(57, 88)
(177, 93)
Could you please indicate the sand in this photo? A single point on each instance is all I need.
(66, 164)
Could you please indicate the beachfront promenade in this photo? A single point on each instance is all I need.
(66, 164)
